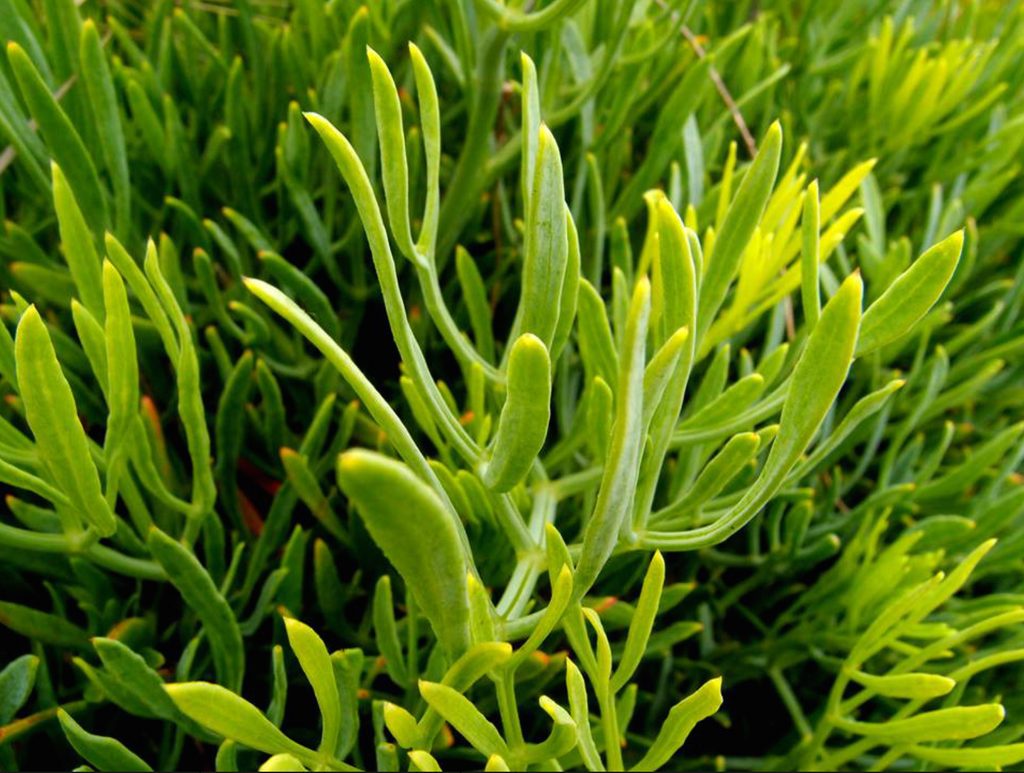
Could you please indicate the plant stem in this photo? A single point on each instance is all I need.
(433, 298)
(789, 699)
(126, 565)
(519, 589)
(511, 522)
(23, 539)
(610, 725)
(20, 727)
(824, 728)
(506, 690)
(193, 525)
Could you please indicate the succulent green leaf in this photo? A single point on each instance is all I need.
(230, 716)
(917, 686)
(62, 139)
(103, 99)
(681, 720)
(546, 248)
(316, 665)
(958, 722)
(16, 682)
(102, 752)
(642, 624)
(403, 515)
(386, 632)
(199, 592)
(817, 378)
(523, 425)
(53, 418)
(464, 717)
(810, 256)
(618, 483)
(910, 297)
(970, 758)
(41, 626)
(79, 246)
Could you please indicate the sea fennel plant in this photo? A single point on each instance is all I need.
(696, 452)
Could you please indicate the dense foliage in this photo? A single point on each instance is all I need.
(446, 383)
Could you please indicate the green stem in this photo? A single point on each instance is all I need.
(433, 299)
(576, 483)
(821, 733)
(21, 727)
(517, 21)
(511, 522)
(509, 711)
(126, 565)
(839, 759)
(193, 525)
(610, 725)
(530, 559)
(519, 589)
(886, 760)
(522, 627)
(768, 407)
(23, 539)
(792, 704)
